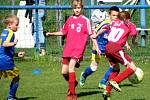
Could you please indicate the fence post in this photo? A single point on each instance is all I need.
(13, 11)
(143, 24)
(36, 30)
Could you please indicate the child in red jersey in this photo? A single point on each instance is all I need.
(120, 30)
(76, 29)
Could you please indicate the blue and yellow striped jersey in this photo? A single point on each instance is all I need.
(101, 40)
(6, 53)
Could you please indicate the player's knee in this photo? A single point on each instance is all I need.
(16, 79)
(132, 66)
(64, 72)
(93, 68)
(116, 68)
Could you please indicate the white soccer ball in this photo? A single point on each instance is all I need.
(137, 77)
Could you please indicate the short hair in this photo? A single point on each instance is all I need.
(100, 2)
(124, 15)
(76, 2)
(11, 19)
(114, 8)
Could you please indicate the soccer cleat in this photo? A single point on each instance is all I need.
(102, 86)
(115, 85)
(72, 97)
(82, 80)
(10, 98)
(106, 95)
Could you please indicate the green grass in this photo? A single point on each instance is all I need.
(50, 85)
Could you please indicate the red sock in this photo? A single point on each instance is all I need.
(112, 75)
(72, 79)
(125, 74)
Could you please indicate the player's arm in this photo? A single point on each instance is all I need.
(63, 31)
(54, 33)
(95, 44)
(8, 44)
(101, 31)
(128, 46)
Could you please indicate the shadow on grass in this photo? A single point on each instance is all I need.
(27, 98)
(88, 93)
(127, 85)
(89, 88)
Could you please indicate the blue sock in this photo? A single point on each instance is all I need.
(88, 71)
(106, 76)
(13, 89)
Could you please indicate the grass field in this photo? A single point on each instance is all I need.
(50, 85)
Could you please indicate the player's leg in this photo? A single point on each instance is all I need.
(41, 35)
(72, 78)
(65, 68)
(127, 61)
(14, 83)
(90, 69)
(126, 73)
(103, 81)
(65, 72)
(106, 94)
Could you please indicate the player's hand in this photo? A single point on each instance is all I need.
(48, 34)
(15, 41)
(98, 51)
(128, 48)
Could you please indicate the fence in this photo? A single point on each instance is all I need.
(53, 45)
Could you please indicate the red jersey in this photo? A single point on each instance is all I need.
(76, 30)
(120, 31)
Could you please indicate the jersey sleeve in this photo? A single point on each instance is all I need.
(103, 25)
(133, 31)
(9, 36)
(65, 28)
(89, 28)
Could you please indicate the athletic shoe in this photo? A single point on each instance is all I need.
(102, 86)
(42, 52)
(115, 85)
(106, 95)
(82, 80)
(11, 98)
(72, 97)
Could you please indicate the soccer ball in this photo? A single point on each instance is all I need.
(137, 77)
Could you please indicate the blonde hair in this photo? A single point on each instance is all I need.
(11, 19)
(76, 2)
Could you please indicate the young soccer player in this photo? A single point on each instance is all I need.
(76, 29)
(102, 41)
(120, 30)
(7, 67)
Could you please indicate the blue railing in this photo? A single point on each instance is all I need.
(143, 6)
(54, 7)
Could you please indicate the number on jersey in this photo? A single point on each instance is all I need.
(115, 34)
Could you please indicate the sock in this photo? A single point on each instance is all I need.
(125, 74)
(13, 89)
(88, 71)
(72, 79)
(112, 75)
(66, 77)
(106, 76)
